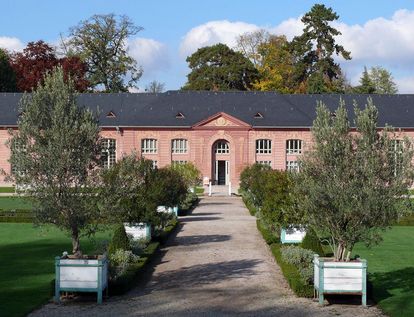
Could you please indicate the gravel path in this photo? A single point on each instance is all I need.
(217, 265)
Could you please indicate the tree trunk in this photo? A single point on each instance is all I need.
(75, 242)
(340, 252)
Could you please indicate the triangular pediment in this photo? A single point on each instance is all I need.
(221, 120)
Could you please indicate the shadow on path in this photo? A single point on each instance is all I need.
(199, 239)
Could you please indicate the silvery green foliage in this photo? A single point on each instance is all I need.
(120, 260)
(54, 156)
(352, 182)
(301, 258)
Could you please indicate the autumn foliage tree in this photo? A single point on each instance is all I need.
(39, 58)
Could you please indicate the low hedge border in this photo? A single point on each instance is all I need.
(289, 271)
(16, 216)
(134, 273)
(249, 206)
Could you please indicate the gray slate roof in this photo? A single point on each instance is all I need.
(279, 111)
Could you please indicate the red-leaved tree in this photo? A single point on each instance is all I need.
(39, 58)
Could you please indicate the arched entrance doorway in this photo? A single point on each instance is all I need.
(221, 162)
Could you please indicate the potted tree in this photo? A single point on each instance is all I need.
(351, 187)
(54, 154)
(125, 195)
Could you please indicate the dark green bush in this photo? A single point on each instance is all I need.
(190, 200)
(312, 242)
(119, 240)
(162, 236)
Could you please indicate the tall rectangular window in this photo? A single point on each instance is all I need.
(108, 153)
(263, 146)
(292, 166)
(294, 146)
(397, 155)
(149, 146)
(179, 146)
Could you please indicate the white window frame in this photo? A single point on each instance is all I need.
(263, 146)
(294, 146)
(268, 163)
(222, 147)
(397, 152)
(109, 152)
(292, 166)
(179, 146)
(149, 146)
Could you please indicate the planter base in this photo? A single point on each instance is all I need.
(347, 278)
(81, 275)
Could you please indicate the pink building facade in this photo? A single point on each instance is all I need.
(220, 137)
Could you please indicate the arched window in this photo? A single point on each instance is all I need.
(108, 153)
(179, 146)
(149, 146)
(294, 146)
(222, 147)
(263, 146)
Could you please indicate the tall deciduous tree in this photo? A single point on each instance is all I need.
(275, 66)
(101, 41)
(383, 81)
(54, 155)
(314, 50)
(155, 87)
(39, 58)
(7, 74)
(351, 185)
(249, 44)
(218, 67)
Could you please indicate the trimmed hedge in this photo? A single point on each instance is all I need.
(267, 235)
(289, 271)
(406, 221)
(16, 216)
(135, 272)
(252, 209)
(7, 190)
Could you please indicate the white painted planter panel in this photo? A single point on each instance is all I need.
(138, 231)
(168, 210)
(292, 235)
(339, 277)
(80, 276)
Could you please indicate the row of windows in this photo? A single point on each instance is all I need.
(150, 146)
(264, 146)
(292, 166)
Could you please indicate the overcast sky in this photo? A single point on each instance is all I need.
(377, 32)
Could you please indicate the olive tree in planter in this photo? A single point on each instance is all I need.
(54, 154)
(125, 195)
(351, 187)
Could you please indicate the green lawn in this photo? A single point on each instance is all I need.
(7, 190)
(10, 203)
(27, 264)
(391, 271)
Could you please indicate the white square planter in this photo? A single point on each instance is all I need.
(170, 210)
(292, 235)
(139, 230)
(332, 277)
(81, 275)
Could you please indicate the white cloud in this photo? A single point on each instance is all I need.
(152, 55)
(405, 85)
(290, 27)
(214, 32)
(11, 43)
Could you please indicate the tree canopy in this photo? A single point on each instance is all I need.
(351, 185)
(54, 155)
(7, 74)
(218, 67)
(313, 51)
(39, 58)
(101, 42)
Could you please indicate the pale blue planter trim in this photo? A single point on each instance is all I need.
(99, 290)
(320, 290)
(283, 237)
